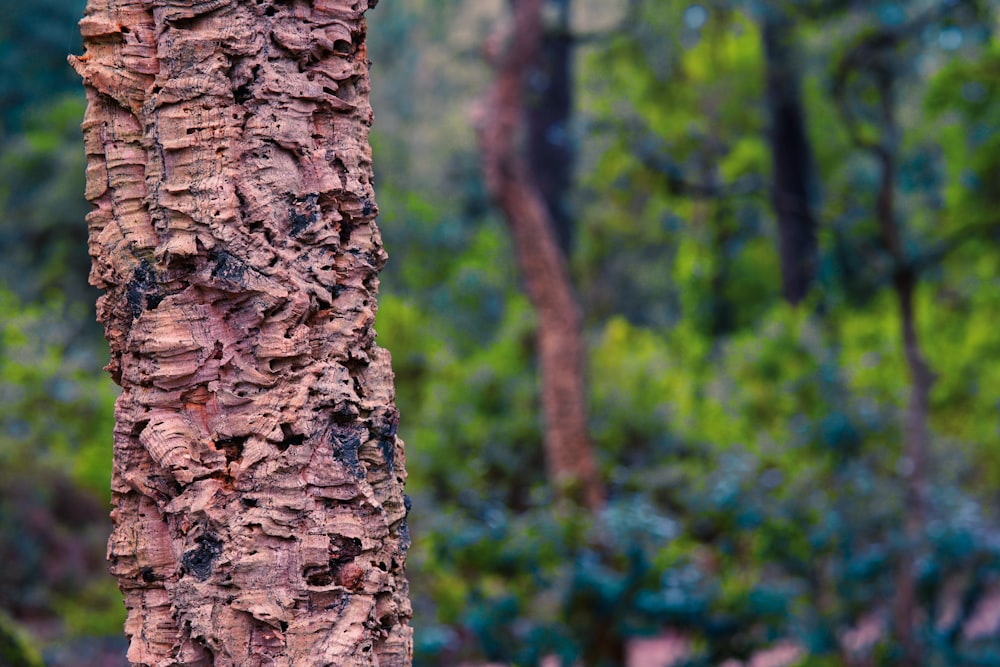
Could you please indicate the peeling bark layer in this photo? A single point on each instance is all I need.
(258, 481)
(569, 454)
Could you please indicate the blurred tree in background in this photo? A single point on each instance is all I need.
(724, 168)
(511, 176)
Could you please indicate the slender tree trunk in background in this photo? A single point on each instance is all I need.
(721, 318)
(793, 172)
(258, 481)
(916, 433)
(549, 105)
(569, 453)
(873, 56)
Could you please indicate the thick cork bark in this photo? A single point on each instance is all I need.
(258, 481)
(569, 454)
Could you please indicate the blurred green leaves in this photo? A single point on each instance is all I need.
(55, 405)
(56, 420)
(766, 437)
(753, 450)
(43, 236)
(15, 650)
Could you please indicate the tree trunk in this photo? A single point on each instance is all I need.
(569, 454)
(916, 432)
(549, 107)
(793, 172)
(259, 512)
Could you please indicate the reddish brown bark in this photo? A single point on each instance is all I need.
(258, 481)
(569, 454)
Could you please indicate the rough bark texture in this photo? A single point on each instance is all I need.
(258, 481)
(791, 153)
(569, 453)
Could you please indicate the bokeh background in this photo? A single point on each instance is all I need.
(749, 431)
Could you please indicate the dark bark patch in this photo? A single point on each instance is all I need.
(138, 428)
(341, 568)
(143, 286)
(243, 93)
(323, 577)
(388, 448)
(344, 549)
(199, 561)
(229, 268)
(289, 437)
(404, 525)
(404, 534)
(346, 441)
(302, 213)
(182, 23)
(344, 413)
(387, 425)
(345, 233)
(231, 447)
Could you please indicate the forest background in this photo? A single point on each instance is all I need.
(769, 474)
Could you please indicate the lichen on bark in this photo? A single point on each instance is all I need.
(259, 515)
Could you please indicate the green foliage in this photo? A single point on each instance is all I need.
(56, 412)
(55, 406)
(475, 415)
(35, 39)
(43, 236)
(766, 437)
(15, 650)
(95, 610)
(753, 450)
(678, 153)
(747, 489)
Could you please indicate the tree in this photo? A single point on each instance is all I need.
(549, 109)
(568, 451)
(872, 64)
(793, 173)
(259, 512)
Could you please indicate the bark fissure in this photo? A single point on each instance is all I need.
(259, 516)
